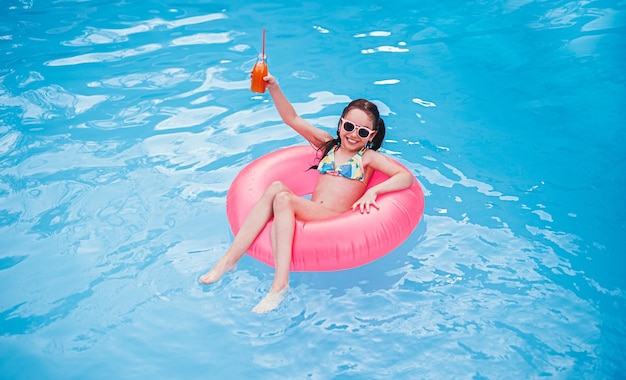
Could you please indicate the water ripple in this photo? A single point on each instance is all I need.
(104, 56)
(97, 36)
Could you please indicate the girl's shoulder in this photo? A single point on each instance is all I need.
(370, 154)
(372, 158)
(376, 160)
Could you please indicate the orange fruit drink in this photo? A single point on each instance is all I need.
(258, 72)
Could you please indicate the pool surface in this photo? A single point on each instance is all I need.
(123, 124)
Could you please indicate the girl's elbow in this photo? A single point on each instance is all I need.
(409, 179)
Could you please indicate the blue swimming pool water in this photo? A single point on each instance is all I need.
(122, 125)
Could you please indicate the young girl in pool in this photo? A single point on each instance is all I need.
(347, 165)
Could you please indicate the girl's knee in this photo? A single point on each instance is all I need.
(275, 188)
(282, 201)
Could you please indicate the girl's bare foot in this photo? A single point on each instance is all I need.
(270, 301)
(217, 271)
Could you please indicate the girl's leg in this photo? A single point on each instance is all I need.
(258, 217)
(274, 297)
(287, 207)
(284, 227)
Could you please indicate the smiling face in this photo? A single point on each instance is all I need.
(352, 140)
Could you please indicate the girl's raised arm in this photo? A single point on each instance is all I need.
(317, 137)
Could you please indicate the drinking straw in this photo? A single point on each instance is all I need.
(263, 46)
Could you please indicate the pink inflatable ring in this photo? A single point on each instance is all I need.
(346, 241)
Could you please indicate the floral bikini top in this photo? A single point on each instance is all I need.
(351, 169)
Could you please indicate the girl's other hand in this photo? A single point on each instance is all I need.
(365, 203)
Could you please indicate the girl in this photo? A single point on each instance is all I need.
(347, 165)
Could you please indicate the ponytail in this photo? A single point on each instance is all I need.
(378, 139)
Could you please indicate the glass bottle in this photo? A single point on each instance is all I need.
(258, 72)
